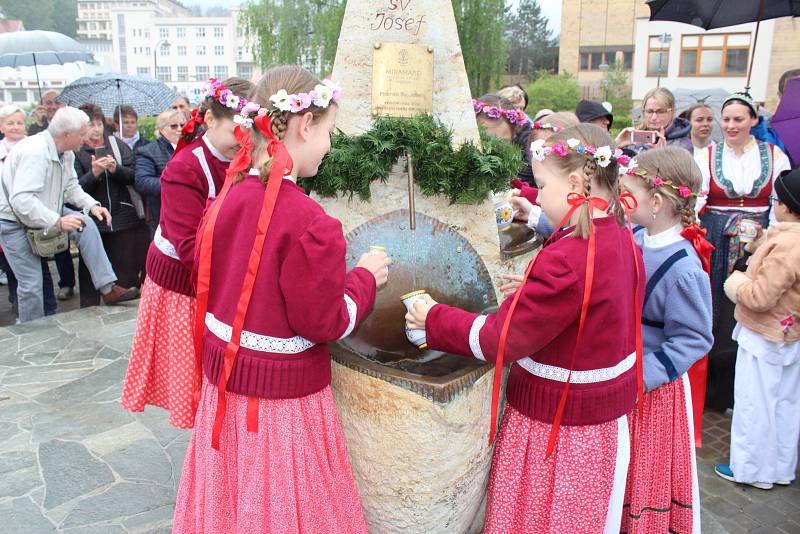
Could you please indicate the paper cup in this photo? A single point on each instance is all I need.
(374, 249)
(503, 213)
(748, 230)
(415, 336)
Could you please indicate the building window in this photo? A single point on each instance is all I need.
(717, 54)
(199, 32)
(201, 72)
(219, 31)
(180, 31)
(164, 50)
(219, 50)
(200, 50)
(245, 71)
(183, 73)
(181, 50)
(658, 54)
(147, 50)
(163, 33)
(220, 72)
(239, 53)
(143, 71)
(19, 95)
(147, 34)
(591, 58)
(164, 73)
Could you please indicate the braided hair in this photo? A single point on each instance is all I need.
(676, 165)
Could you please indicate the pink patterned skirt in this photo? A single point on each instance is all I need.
(578, 489)
(161, 371)
(291, 476)
(662, 493)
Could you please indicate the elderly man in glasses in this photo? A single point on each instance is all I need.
(151, 160)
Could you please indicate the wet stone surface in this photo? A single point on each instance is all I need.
(71, 460)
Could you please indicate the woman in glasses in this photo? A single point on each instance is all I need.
(658, 115)
(151, 160)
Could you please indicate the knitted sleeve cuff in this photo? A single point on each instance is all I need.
(736, 280)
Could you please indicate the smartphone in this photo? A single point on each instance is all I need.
(644, 136)
(100, 152)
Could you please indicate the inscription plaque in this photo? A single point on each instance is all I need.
(402, 79)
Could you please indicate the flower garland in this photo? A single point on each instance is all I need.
(464, 174)
(657, 181)
(603, 156)
(321, 96)
(539, 125)
(513, 116)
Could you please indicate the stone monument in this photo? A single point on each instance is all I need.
(416, 422)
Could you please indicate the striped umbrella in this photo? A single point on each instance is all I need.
(146, 95)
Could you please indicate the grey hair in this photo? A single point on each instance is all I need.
(7, 111)
(67, 120)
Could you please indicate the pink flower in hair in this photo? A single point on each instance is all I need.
(590, 149)
(493, 112)
(657, 181)
(250, 107)
(684, 191)
(300, 102)
(623, 160)
(560, 149)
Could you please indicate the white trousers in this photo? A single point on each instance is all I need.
(766, 419)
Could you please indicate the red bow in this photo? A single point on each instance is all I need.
(189, 129)
(701, 245)
(243, 158)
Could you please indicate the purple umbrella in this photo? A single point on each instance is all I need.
(786, 120)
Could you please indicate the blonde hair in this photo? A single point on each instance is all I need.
(561, 119)
(165, 118)
(606, 177)
(664, 97)
(678, 166)
(294, 79)
(515, 95)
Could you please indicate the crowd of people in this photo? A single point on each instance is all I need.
(647, 268)
(114, 168)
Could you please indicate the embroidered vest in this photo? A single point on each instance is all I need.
(721, 193)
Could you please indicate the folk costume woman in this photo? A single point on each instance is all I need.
(571, 330)
(267, 452)
(162, 370)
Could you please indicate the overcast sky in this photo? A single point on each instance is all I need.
(550, 8)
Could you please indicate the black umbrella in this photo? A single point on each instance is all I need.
(711, 14)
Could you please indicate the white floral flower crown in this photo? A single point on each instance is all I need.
(321, 96)
(603, 155)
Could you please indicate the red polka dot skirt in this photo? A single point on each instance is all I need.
(568, 492)
(661, 494)
(292, 476)
(161, 371)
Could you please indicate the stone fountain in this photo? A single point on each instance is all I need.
(416, 422)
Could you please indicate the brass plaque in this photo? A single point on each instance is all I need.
(402, 79)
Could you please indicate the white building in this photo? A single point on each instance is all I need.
(676, 55)
(160, 38)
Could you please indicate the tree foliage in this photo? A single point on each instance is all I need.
(559, 92)
(531, 43)
(481, 27)
(54, 15)
(303, 32)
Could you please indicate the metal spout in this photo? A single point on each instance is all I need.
(412, 212)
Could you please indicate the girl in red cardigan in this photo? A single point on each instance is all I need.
(267, 452)
(162, 370)
(571, 330)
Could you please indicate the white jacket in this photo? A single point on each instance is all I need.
(39, 183)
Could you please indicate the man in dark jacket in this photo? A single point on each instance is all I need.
(105, 168)
(594, 112)
(48, 105)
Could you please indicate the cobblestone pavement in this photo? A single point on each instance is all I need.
(71, 460)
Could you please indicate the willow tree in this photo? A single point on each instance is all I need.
(306, 32)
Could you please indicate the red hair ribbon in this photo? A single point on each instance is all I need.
(629, 203)
(188, 130)
(281, 165)
(698, 372)
(575, 201)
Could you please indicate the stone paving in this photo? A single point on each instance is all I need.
(71, 460)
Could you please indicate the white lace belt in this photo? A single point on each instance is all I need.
(258, 342)
(589, 376)
(163, 245)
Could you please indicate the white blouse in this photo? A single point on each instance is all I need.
(742, 171)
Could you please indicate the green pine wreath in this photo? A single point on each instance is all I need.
(464, 175)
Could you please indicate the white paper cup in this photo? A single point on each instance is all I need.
(503, 213)
(748, 230)
(374, 249)
(415, 336)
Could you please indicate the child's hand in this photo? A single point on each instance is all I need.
(510, 287)
(378, 265)
(415, 319)
(522, 206)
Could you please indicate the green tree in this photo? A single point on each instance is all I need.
(56, 15)
(531, 43)
(619, 94)
(481, 27)
(559, 92)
